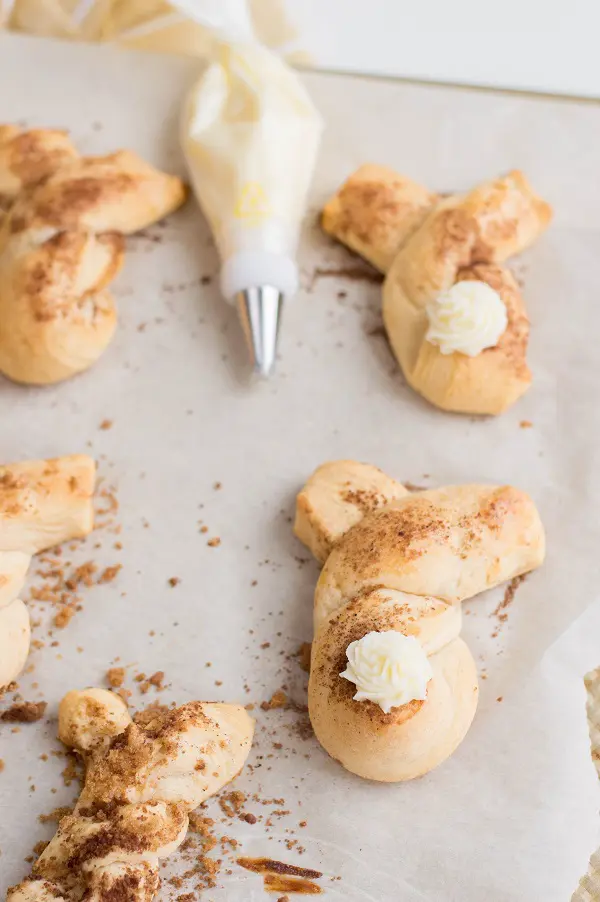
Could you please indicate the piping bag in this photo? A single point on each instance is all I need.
(250, 134)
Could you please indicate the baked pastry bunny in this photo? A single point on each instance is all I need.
(42, 503)
(142, 779)
(61, 243)
(393, 687)
(454, 315)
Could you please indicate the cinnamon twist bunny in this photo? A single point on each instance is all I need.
(463, 348)
(142, 779)
(393, 687)
(61, 243)
(42, 503)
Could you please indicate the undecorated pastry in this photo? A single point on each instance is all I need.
(42, 503)
(61, 244)
(142, 779)
(393, 687)
(454, 315)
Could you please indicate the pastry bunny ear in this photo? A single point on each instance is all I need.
(450, 543)
(374, 211)
(337, 495)
(27, 157)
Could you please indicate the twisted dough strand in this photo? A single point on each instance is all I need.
(142, 779)
(61, 244)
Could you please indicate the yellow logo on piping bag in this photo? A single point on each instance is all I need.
(252, 205)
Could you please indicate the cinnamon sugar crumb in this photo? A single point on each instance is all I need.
(525, 424)
(174, 581)
(106, 424)
(64, 616)
(115, 677)
(109, 573)
(231, 803)
(278, 700)
(24, 712)
(214, 543)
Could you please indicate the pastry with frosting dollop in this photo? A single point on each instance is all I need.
(454, 314)
(393, 686)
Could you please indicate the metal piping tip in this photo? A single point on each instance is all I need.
(260, 312)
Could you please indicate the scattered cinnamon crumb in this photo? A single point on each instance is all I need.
(174, 581)
(71, 771)
(500, 698)
(106, 424)
(231, 803)
(214, 543)
(303, 655)
(278, 700)
(500, 612)
(204, 529)
(525, 424)
(115, 677)
(109, 573)
(217, 486)
(157, 679)
(53, 817)
(248, 817)
(2, 765)
(24, 712)
(64, 616)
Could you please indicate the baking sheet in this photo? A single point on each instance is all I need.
(183, 416)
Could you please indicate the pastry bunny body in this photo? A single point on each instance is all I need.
(405, 567)
(427, 244)
(42, 503)
(61, 244)
(142, 779)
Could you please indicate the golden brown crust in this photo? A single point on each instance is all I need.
(374, 211)
(61, 244)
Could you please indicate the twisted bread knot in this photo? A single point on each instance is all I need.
(404, 566)
(142, 779)
(61, 243)
(42, 503)
(426, 244)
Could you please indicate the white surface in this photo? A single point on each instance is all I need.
(521, 44)
(512, 815)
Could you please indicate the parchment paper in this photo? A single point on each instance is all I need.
(512, 816)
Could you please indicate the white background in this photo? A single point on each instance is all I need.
(547, 46)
